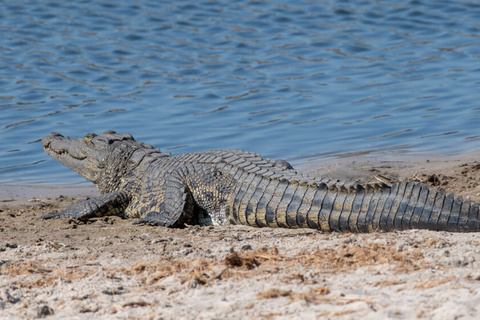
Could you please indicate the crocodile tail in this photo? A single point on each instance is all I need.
(400, 206)
(353, 207)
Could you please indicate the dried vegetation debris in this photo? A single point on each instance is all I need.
(241, 264)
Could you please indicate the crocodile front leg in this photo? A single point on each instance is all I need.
(105, 205)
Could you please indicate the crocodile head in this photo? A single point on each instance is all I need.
(103, 159)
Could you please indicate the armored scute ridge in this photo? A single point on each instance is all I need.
(221, 187)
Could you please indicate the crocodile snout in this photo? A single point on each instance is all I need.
(51, 137)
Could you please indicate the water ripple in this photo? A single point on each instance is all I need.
(293, 79)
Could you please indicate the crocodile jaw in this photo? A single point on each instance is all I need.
(75, 154)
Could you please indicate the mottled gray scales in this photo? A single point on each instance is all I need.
(452, 220)
(395, 205)
(261, 213)
(284, 203)
(293, 208)
(473, 220)
(252, 207)
(249, 217)
(463, 218)
(244, 195)
(367, 223)
(442, 223)
(344, 218)
(326, 209)
(436, 210)
(221, 187)
(356, 207)
(362, 216)
(307, 201)
(417, 201)
(272, 206)
(407, 197)
(427, 208)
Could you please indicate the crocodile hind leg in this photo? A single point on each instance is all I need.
(176, 208)
(105, 205)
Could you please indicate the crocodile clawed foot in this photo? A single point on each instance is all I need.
(63, 215)
(153, 218)
(51, 216)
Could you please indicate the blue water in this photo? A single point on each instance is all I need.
(299, 80)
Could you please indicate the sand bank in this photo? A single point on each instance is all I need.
(108, 268)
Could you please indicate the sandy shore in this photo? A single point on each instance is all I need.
(110, 269)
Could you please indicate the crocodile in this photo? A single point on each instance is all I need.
(220, 187)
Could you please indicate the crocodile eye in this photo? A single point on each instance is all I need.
(89, 138)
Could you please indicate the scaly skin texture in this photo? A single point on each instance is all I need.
(222, 187)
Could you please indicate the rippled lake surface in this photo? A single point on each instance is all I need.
(298, 80)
